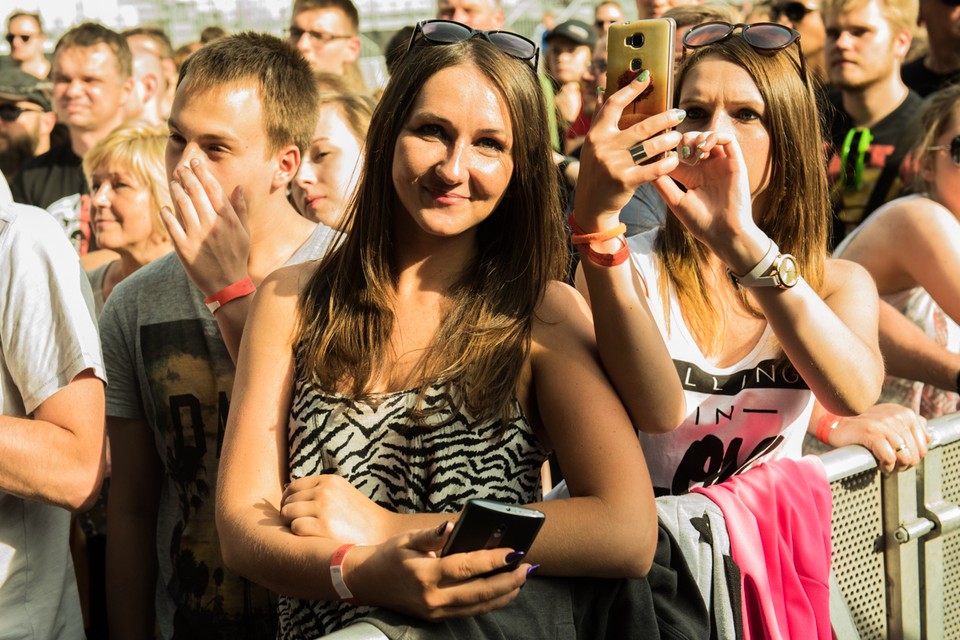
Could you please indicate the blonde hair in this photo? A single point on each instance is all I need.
(901, 15)
(939, 110)
(138, 148)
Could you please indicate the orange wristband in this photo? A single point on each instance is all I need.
(583, 240)
(827, 423)
(238, 289)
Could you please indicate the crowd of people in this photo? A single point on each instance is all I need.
(264, 328)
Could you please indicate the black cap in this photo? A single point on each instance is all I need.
(575, 30)
(20, 86)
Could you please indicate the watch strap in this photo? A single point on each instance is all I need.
(758, 276)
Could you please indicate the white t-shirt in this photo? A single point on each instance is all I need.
(47, 337)
(753, 410)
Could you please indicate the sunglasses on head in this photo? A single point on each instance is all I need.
(953, 148)
(10, 112)
(794, 11)
(450, 32)
(762, 36)
(13, 36)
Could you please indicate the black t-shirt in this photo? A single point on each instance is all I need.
(916, 76)
(866, 166)
(54, 181)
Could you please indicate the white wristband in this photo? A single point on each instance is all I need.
(336, 574)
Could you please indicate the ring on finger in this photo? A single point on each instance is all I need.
(903, 445)
(638, 153)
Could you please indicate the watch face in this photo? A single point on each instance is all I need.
(787, 271)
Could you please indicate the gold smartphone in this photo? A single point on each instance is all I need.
(633, 47)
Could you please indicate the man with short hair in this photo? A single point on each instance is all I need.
(656, 8)
(326, 32)
(605, 14)
(154, 40)
(569, 52)
(26, 39)
(940, 65)
(149, 86)
(485, 15)
(245, 106)
(51, 423)
(867, 41)
(91, 84)
(26, 119)
(806, 19)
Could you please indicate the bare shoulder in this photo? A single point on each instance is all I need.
(563, 314)
(845, 276)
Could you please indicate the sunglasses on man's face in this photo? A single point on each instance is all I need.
(794, 11)
(10, 112)
(25, 37)
(450, 32)
(953, 148)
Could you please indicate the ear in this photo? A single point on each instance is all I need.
(354, 50)
(127, 88)
(47, 122)
(288, 162)
(151, 84)
(925, 166)
(901, 44)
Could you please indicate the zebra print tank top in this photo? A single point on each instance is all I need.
(431, 467)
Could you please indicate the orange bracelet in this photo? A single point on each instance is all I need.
(583, 240)
(238, 289)
(827, 423)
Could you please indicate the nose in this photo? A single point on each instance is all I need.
(452, 169)
(186, 155)
(306, 174)
(74, 88)
(303, 42)
(101, 197)
(844, 40)
(459, 15)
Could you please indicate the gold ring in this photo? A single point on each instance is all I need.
(901, 448)
(638, 153)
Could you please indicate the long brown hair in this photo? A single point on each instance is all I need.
(797, 217)
(483, 341)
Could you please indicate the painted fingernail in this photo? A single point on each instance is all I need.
(644, 75)
(533, 569)
(679, 114)
(442, 529)
(704, 155)
(513, 556)
(600, 89)
(701, 144)
(684, 151)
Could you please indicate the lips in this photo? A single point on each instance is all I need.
(446, 198)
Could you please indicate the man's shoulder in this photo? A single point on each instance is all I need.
(160, 288)
(59, 156)
(29, 221)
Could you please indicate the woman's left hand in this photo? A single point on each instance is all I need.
(717, 205)
(896, 435)
(329, 506)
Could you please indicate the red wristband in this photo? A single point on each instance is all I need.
(336, 574)
(582, 241)
(827, 423)
(238, 289)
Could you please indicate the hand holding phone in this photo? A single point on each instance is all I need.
(487, 524)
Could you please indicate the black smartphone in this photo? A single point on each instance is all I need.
(633, 47)
(487, 524)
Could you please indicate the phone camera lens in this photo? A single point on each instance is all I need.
(636, 40)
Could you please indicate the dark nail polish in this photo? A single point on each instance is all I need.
(532, 570)
(514, 556)
(442, 529)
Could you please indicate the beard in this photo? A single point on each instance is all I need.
(17, 150)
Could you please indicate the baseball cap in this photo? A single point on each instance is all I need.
(575, 30)
(20, 86)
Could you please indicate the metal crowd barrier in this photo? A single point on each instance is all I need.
(896, 545)
(896, 549)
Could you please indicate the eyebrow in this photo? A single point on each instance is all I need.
(206, 136)
(433, 116)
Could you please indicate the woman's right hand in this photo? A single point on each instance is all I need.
(406, 574)
(608, 173)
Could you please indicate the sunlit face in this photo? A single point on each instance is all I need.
(88, 92)
(596, 76)
(326, 39)
(719, 95)
(656, 8)
(223, 128)
(329, 170)
(811, 29)
(24, 132)
(940, 171)
(861, 48)
(604, 16)
(484, 15)
(453, 159)
(122, 208)
(567, 61)
(27, 41)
